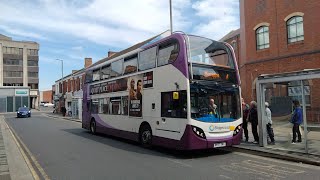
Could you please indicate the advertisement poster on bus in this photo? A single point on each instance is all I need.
(135, 88)
(135, 95)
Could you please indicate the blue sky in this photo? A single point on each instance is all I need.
(74, 29)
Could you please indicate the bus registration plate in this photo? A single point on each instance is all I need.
(220, 144)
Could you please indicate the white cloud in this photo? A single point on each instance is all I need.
(223, 16)
(22, 33)
(101, 21)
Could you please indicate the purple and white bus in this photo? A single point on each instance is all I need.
(180, 92)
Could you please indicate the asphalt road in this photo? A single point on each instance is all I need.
(66, 151)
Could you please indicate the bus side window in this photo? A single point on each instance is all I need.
(174, 107)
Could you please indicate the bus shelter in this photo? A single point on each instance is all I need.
(280, 90)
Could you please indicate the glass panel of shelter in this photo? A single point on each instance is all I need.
(286, 104)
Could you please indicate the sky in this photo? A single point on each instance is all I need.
(71, 30)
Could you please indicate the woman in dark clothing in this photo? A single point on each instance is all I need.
(253, 118)
(245, 109)
(296, 120)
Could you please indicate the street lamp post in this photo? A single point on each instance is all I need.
(170, 16)
(61, 78)
(61, 74)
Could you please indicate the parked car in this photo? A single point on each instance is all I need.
(23, 112)
(48, 105)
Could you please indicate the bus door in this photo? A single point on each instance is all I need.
(173, 114)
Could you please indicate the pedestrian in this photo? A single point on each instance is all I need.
(253, 119)
(269, 124)
(245, 110)
(296, 120)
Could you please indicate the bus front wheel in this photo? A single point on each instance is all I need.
(93, 126)
(145, 136)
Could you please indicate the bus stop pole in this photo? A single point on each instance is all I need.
(260, 87)
(305, 126)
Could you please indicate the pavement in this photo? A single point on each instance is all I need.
(16, 162)
(283, 148)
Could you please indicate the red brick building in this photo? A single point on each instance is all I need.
(276, 37)
(46, 96)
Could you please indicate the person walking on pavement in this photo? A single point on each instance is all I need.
(253, 119)
(269, 124)
(296, 120)
(245, 110)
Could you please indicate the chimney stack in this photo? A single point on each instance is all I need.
(87, 62)
(111, 53)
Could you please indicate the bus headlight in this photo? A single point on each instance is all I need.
(237, 130)
(198, 131)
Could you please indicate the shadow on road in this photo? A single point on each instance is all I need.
(133, 146)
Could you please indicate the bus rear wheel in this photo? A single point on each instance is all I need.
(93, 126)
(145, 136)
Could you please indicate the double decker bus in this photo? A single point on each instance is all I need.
(180, 92)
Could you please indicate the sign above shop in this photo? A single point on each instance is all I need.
(21, 92)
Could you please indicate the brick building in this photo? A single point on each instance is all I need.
(278, 37)
(46, 96)
(275, 37)
(68, 91)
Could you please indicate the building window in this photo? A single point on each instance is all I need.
(262, 36)
(12, 50)
(33, 52)
(13, 62)
(32, 63)
(295, 29)
(33, 74)
(12, 84)
(12, 74)
(33, 86)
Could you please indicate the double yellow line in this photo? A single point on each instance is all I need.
(26, 154)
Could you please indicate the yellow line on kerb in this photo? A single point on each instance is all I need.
(24, 154)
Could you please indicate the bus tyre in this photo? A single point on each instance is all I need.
(93, 126)
(145, 136)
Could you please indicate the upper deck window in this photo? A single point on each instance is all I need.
(168, 52)
(116, 68)
(147, 59)
(206, 51)
(130, 65)
(106, 72)
(96, 75)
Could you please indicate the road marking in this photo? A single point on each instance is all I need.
(61, 118)
(179, 162)
(20, 143)
(224, 176)
(262, 169)
(279, 161)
